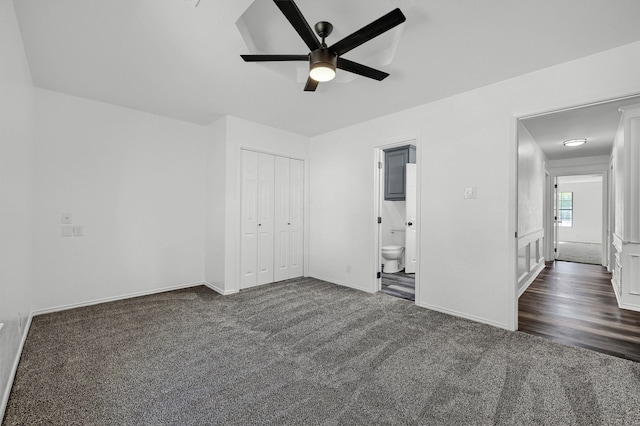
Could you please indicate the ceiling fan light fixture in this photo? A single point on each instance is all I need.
(574, 142)
(322, 65)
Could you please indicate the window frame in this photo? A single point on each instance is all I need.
(563, 223)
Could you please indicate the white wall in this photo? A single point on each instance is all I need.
(467, 257)
(17, 112)
(216, 204)
(248, 135)
(587, 213)
(135, 182)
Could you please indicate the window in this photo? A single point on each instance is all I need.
(565, 209)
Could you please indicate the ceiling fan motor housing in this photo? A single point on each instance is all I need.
(324, 59)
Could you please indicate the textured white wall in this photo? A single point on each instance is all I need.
(587, 213)
(17, 112)
(467, 258)
(135, 182)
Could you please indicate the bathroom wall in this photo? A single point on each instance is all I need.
(393, 218)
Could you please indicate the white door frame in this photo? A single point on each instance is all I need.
(378, 157)
(587, 170)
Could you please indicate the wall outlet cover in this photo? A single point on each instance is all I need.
(470, 193)
(77, 231)
(67, 231)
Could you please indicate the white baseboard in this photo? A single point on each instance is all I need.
(114, 298)
(217, 289)
(342, 283)
(14, 368)
(531, 278)
(466, 316)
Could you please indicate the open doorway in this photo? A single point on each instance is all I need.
(397, 211)
(565, 185)
(579, 213)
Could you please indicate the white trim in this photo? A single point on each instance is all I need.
(114, 298)
(530, 237)
(14, 368)
(219, 290)
(343, 284)
(532, 278)
(465, 316)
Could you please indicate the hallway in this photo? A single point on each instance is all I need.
(575, 304)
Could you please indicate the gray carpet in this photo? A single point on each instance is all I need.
(305, 352)
(580, 252)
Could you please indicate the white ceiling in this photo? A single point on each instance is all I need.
(170, 58)
(597, 123)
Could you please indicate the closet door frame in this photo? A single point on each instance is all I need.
(299, 258)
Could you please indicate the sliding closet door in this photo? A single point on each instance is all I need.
(257, 219)
(283, 225)
(296, 217)
(266, 170)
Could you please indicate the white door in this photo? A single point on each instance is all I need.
(281, 267)
(411, 234)
(249, 220)
(266, 165)
(296, 218)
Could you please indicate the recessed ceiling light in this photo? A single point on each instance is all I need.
(574, 142)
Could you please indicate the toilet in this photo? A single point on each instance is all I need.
(392, 256)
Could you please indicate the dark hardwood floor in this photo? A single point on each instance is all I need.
(575, 304)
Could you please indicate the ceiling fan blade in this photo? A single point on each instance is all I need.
(311, 85)
(364, 34)
(266, 58)
(294, 16)
(363, 70)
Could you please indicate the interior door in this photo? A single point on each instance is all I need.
(266, 168)
(281, 269)
(249, 220)
(296, 218)
(411, 234)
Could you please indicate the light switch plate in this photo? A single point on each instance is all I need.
(77, 231)
(66, 218)
(67, 231)
(470, 193)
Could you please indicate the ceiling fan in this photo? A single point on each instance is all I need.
(324, 60)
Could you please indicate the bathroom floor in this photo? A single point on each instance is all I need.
(400, 285)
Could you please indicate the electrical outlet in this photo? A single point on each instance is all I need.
(20, 322)
(470, 193)
(77, 231)
(67, 231)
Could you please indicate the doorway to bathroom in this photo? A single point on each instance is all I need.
(397, 219)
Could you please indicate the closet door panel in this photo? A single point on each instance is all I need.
(282, 234)
(249, 220)
(296, 218)
(265, 218)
